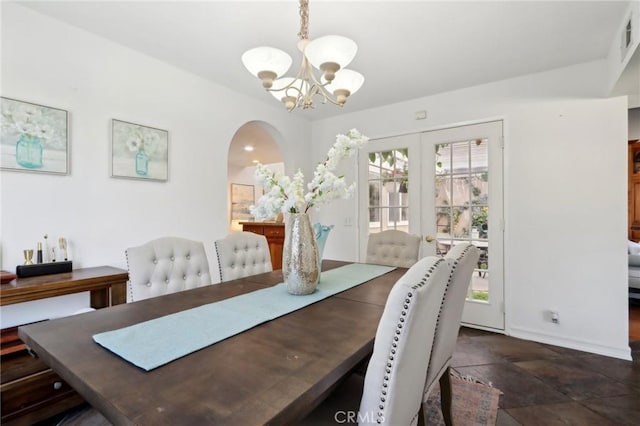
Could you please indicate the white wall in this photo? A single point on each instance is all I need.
(51, 63)
(565, 198)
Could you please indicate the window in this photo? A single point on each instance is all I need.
(388, 190)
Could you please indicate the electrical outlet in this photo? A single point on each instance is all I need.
(551, 316)
(348, 221)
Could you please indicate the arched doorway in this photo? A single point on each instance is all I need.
(254, 142)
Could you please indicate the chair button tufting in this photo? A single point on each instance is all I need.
(173, 258)
(155, 261)
(188, 257)
(149, 284)
(198, 273)
(184, 277)
(167, 281)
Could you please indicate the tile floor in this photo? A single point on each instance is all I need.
(548, 385)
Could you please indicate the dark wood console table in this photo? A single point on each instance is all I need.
(29, 390)
(274, 232)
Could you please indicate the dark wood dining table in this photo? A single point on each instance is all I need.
(275, 373)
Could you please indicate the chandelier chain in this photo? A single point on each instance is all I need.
(304, 20)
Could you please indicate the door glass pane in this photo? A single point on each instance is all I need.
(461, 222)
(460, 157)
(374, 193)
(443, 159)
(443, 223)
(479, 188)
(461, 202)
(394, 217)
(374, 220)
(460, 190)
(480, 155)
(389, 190)
(443, 191)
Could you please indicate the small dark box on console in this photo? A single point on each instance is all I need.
(44, 269)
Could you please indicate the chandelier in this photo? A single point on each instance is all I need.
(329, 54)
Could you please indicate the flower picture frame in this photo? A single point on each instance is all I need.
(33, 137)
(242, 197)
(139, 152)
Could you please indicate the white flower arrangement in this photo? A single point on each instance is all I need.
(34, 121)
(286, 195)
(142, 138)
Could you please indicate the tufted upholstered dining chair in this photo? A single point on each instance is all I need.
(166, 265)
(462, 260)
(393, 248)
(395, 377)
(242, 254)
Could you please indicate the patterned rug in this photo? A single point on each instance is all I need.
(474, 403)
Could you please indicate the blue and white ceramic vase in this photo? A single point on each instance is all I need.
(29, 151)
(300, 267)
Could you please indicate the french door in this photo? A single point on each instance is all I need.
(388, 197)
(445, 185)
(462, 201)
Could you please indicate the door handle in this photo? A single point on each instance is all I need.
(429, 238)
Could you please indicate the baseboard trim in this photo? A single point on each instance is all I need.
(563, 341)
(483, 328)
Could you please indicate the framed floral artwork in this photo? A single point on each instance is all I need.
(139, 152)
(33, 138)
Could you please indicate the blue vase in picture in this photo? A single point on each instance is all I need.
(142, 163)
(29, 152)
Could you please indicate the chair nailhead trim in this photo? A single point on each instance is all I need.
(444, 299)
(394, 345)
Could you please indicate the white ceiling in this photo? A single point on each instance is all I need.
(406, 49)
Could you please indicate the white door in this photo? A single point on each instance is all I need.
(388, 196)
(462, 201)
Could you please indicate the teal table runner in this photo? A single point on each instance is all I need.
(159, 341)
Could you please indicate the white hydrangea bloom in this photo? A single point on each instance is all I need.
(284, 194)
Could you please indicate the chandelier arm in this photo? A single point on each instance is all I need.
(320, 89)
(301, 76)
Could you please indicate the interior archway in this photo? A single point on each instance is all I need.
(254, 142)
